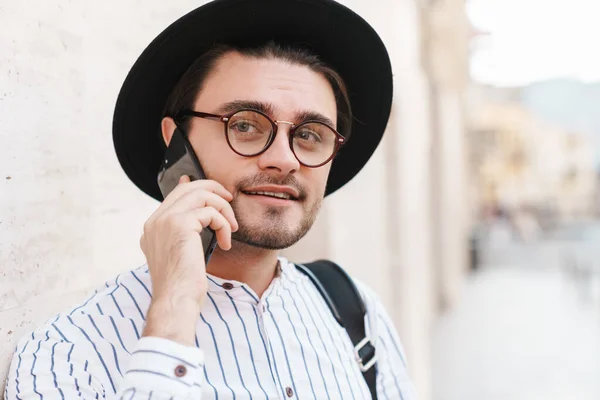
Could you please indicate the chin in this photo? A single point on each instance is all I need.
(273, 228)
(271, 235)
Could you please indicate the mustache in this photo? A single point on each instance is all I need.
(260, 180)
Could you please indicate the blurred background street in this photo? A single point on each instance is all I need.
(528, 324)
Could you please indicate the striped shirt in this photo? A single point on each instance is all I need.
(285, 345)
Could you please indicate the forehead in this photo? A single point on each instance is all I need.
(292, 88)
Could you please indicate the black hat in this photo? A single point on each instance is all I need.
(340, 37)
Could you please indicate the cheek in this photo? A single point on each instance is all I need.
(319, 179)
(218, 161)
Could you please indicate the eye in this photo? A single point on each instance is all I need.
(308, 135)
(243, 126)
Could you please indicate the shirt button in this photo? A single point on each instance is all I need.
(180, 371)
(227, 286)
(289, 391)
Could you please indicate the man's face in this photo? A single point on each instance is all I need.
(285, 92)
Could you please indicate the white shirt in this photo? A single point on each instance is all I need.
(285, 345)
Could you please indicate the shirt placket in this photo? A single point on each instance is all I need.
(279, 367)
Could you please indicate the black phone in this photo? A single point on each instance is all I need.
(180, 159)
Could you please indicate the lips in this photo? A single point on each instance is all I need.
(278, 192)
(279, 195)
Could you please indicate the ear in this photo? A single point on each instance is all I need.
(168, 127)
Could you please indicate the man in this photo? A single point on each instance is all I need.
(262, 90)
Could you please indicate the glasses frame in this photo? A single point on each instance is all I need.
(340, 139)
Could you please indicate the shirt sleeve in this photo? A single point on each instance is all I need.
(48, 367)
(160, 368)
(392, 375)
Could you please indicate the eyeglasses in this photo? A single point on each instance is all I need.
(250, 132)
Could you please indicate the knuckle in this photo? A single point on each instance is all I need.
(171, 221)
(147, 227)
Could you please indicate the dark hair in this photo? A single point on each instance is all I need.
(184, 94)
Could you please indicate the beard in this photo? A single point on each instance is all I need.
(273, 232)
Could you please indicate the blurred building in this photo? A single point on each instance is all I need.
(521, 161)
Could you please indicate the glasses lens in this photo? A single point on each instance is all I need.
(248, 132)
(313, 143)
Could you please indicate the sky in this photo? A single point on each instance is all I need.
(534, 40)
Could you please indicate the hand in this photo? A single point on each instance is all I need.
(173, 248)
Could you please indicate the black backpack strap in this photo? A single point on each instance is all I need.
(348, 308)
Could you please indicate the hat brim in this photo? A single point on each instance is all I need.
(340, 37)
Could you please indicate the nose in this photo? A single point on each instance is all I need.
(279, 155)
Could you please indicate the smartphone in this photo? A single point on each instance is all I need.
(180, 159)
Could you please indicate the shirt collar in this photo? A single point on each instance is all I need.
(286, 272)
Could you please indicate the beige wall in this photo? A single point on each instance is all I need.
(69, 218)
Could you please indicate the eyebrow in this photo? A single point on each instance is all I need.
(269, 109)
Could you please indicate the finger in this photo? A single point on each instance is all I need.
(186, 187)
(210, 217)
(206, 184)
(199, 199)
(162, 207)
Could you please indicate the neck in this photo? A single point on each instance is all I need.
(243, 263)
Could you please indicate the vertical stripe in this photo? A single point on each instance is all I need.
(99, 309)
(204, 368)
(141, 283)
(210, 384)
(301, 347)
(251, 295)
(84, 304)
(112, 384)
(347, 350)
(212, 334)
(287, 360)
(391, 337)
(107, 341)
(19, 367)
(85, 368)
(310, 340)
(328, 330)
(267, 353)
(70, 351)
(59, 332)
(249, 344)
(62, 396)
(389, 364)
(310, 314)
(277, 370)
(232, 343)
(112, 295)
(137, 334)
(134, 300)
(112, 321)
(77, 388)
(32, 367)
